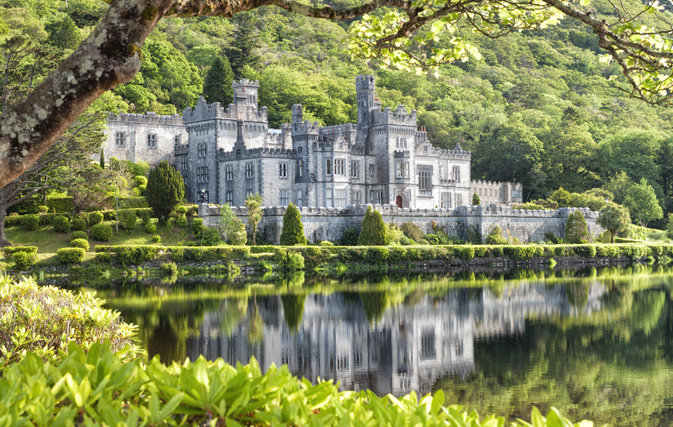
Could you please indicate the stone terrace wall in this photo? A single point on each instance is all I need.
(330, 223)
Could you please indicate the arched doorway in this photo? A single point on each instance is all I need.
(398, 201)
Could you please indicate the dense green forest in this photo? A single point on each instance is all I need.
(535, 107)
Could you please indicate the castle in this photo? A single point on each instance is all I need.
(226, 154)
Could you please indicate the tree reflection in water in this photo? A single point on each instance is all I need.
(596, 348)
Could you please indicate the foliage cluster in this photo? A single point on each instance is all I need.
(101, 232)
(576, 229)
(373, 231)
(61, 224)
(165, 190)
(293, 229)
(45, 320)
(70, 255)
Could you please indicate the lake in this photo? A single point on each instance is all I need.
(597, 344)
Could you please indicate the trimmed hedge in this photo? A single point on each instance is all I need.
(70, 255)
(101, 232)
(78, 224)
(30, 221)
(24, 260)
(80, 243)
(128, 219)
(78, 235)
(60, 204)
(61, 224)
(8, 251)
(95, 218)
(136, 254)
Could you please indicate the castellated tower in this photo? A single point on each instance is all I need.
(246, 92)
(364, 86)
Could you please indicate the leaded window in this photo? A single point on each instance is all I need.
(425, 179)
(339, 167)
(152, 140)
(229, 172)
(284, 197)
(339, 198)
(445, 201)
(249, 170)
(282, 170)
(120, 139)
(354, 170)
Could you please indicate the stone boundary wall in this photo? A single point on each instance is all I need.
(330, 223)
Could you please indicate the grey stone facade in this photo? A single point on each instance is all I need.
(224, 154)
(330, 223)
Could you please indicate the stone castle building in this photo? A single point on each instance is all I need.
(225, 154)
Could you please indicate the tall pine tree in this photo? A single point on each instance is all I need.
(165, 189)
(373, 231)
(245, 40)
(293, 230)
(217, 84)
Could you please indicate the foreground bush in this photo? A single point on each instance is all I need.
(61, 224)
(78, 224)
(8, 251)
(97, 388)
(45, 319)
(127, 219)
(78, 235)
(95, 218)
(80, 243)
(24, 260)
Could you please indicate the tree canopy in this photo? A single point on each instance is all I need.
(397, 34)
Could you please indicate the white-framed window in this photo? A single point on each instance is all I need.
(177, 139)
(120, 139)
(300, 198)
(517, 193)
(328, 166)
(284, 197)
(229, 172)
(249, 170)
(402, 169)
(357, 198)
(456, 173)
(339, 167)
(300, 167)
(340, 198)
(202, 148)
(202, 174)
(152, 140)
(184, 163)
(459, 200)
(282, 170)
(445, 201)
(425, 178)
(230, 198)
(328, 198)
(354, 170)
(371, 170)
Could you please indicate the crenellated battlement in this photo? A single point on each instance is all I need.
(204, 111)
(148, 118)
(245, 83)
(257, 153)
(181, 150)
(306, 127)
(399, 117)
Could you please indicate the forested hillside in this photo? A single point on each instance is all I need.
(534, 106)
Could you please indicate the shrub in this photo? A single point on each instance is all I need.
(70, 255)
(145, 215)
(24, 260)
(95, 218)
(45, 319)
(373, 232)
(405, 241)
(377, 255)
(156, 238)
(78, 235)
(586, 251)
(412, 231)
(80, 243)
(139, 180)
(101, 232)
(473, 235)
(61, 224)
(495, 237)
(520, 253)
(104, 258)
(8, 251)
(169, 268)
(576, 229)
(60, 204)
(165, 190)
(350, 237)
(326, 243)
(136, 254)
(209, 237)
(150, 228)
(127, 219)
(232, 228)
(181, 221)
(497, 251)
(78, 224)
(181, 210)
(293, 230)
(465, 252)
(30, 221)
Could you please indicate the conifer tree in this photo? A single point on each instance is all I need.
(293, 229)
(165, 189)
(244, 40)
(102, 157)
(576, 229)
(293, 309)
(217, 84)
(373, 231)
(476, 201)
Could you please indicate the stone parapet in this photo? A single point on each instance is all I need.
(149, 118)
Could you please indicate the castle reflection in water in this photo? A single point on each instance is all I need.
(408, 348)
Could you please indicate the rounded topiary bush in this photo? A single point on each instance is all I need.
(156, 238)
(80, 243)
(95, 218)
(101, 232)
(78, 235)
(30, 222)
(78, 224)
(145, 215)
(127, 219)
(181, 220)
(70, 255)
(24, 260)
(61, 224)
(181, 210)
(150, 228)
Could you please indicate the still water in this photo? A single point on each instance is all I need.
(597, 346)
